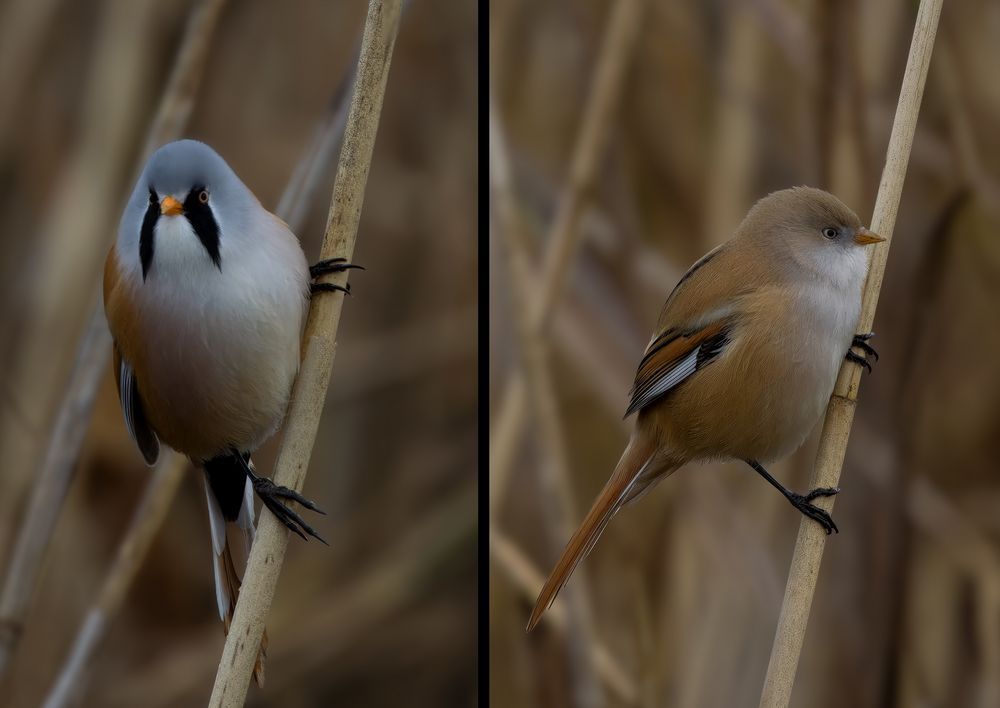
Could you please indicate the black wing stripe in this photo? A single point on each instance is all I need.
(671, 375)
(135, 417)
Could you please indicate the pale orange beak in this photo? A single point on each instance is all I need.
(864, 237)
(171, 207)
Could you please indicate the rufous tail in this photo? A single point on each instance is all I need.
(633, 474)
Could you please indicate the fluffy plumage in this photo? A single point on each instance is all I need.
(205, 294)
(745, 355)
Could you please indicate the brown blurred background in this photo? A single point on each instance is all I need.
(721, 103)
(386, 615)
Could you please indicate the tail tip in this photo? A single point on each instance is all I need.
(536, 615)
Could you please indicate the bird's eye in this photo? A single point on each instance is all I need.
(830, 232)
(203, 196)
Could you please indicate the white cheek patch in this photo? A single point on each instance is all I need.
(845, 269)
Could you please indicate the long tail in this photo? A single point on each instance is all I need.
(633, 475)
(231, 516)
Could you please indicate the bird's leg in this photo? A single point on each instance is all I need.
(801, 501)
(271, 495)
(330, 265)
(861, 342)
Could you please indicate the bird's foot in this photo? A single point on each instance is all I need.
(271, 495)
(820, 516)
(330, 265)
(861, 342)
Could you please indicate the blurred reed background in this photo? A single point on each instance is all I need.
(719, 103)
(383, 616)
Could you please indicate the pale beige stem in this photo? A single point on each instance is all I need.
(74, 416)
(528, 579)
(146, 521)
(811, 540)
(309, 392)
(559, 515)
(734, 144)
(92, 363)
(605, 93)
(68, 246)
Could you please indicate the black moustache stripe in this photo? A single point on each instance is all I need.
(199, 215)
(203, 222)
(146, 233)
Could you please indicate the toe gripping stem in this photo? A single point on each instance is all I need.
(330, 265)
(861, 342)
(271, 495)
(802, 502)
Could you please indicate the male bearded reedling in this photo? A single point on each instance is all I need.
(205, 294)
(744, 358)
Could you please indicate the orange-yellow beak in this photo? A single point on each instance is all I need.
(864, 237)
(171, 207)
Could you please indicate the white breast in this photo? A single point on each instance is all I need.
(222, 346)
(824, 325)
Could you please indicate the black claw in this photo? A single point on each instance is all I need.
(279, 513)
(331, 265)
(286, 493)
(329, 288)
(292, 520)
(820, 516)
(861, 342)
(270, 493)
(858, 359)
(801, 502)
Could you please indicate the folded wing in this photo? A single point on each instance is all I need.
(135, 417)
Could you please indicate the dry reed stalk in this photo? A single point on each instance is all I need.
(731, 162)
(843, 155)
(400, 573)
(964, 145)
(63, 447)
(49, 493)
(616, 51)
(392, 579)
(146, 521)
(528, 580)
(300, 192)
(162, 487)
(559, 513)
(309, 391)
(590, 348)
(811, 540)
(57, 279)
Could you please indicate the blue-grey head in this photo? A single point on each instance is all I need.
(187, 209)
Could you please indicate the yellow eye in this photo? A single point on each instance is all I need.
(203, 196)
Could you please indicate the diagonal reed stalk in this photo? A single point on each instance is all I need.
(559, 517)
(309, 391)
(811, 540)
(293, 206)
(64, 443)
(146, 521)
(616, 50)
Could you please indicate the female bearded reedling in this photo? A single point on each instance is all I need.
(744, 358)
(205, 294)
